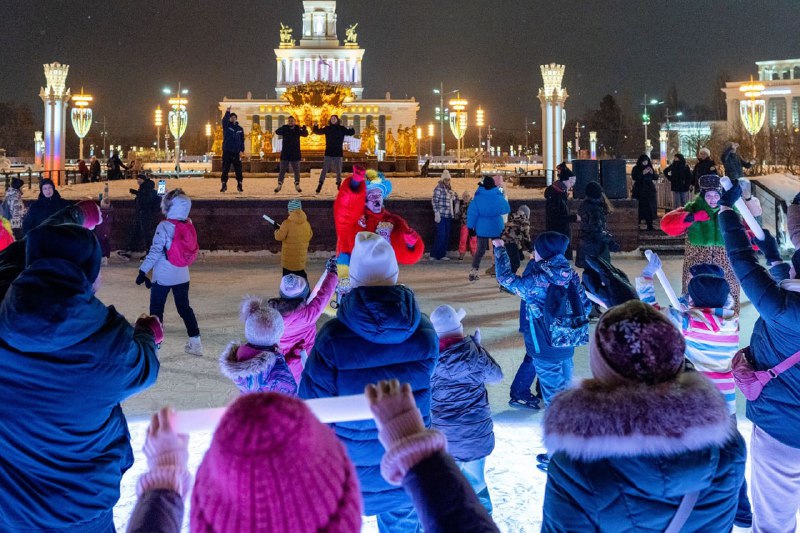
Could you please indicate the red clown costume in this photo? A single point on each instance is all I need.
(359, 207)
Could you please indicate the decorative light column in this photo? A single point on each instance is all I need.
(159, 121)
(38, 149)
(55, 97)
(208, 137)
(569, 150)
(458, 122)
(479, 121)
(431, 132)
(177, 119)
(81, 116)
(419, 139)
(593, 144)
(662, 141)
(552, 96)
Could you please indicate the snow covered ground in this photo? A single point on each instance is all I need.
(218, 283)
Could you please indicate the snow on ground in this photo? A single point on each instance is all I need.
(218, 283)
(786, 185)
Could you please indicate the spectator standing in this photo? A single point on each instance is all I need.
(83, 170)
(232, 149)
(290, 151)
(732, 161)
(485, 219)
(557, 215)
(680, 180)
(115, 166)
(145, 204)
(444, 200)
(464, 237)
(13, 209)
(596, 240)
(294, 235)
(460, 403)
(705, 165)
(94, 170)
(517, 236)
(644, 190)
(378, 330)
(334, 133)
(48, 203)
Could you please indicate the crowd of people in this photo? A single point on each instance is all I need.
(649, 442)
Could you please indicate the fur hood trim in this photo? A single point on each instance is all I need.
(600, 421)
(236, 370)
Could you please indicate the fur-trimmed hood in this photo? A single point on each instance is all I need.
(239, 370)
(600, 421)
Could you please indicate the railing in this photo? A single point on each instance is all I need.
(774, 216)
(62, 177)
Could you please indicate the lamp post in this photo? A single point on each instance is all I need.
(441, 111)
(208, 137)
(158, 122)
(103, 134)
(81, 116)
(479, 122)
(577, 139)
(646, 121)
(431, 133)
(177, 119)
(527, 133)
(458, 122)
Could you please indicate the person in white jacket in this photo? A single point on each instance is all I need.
(168, 277)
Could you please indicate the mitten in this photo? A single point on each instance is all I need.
(729, 197)
(142, 278)
(411, 238)
(653, 264)
(167, 454)
(331, 266)
(699, 216)
(153, 325)
(471, 232)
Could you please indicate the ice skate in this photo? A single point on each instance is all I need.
(224, 187)
(239, 187)
(473, 275)
(297, 187)
(526, 403)
(193, 346)
(278, 188)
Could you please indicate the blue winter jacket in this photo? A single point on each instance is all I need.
(734, 165)
(532, 288)
(232, 135)
(776, 333)
(460, 407)
(66, 363)
(623, 456)
(379, 333)
(485, 212)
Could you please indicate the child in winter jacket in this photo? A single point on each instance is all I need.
(459, 402)
(517, 236)
(259, 365)
(168, 276)
(464, 236)
(300, 315)
(295, 234)
(13, 209)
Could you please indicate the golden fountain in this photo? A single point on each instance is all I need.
(315, 102)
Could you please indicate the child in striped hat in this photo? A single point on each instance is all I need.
(295, 235)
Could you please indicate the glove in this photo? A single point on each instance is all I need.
(653, 264)
(796, 200)
(142, 278)
(769, 246)
(411, 238)
(167, 454)
(331, 266)
(729, 197)
(437, 217)
(607, 282)
(471, 232)
(153, 325)
(699, 216)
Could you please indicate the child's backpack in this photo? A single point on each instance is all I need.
(184, 249)
(563, 318)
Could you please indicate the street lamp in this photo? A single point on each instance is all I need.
(104, 134)
(177, 119)
(158, 122)
(81, 116)
(458, 122)
(646, 121)
(441, 112)
(479, 122)
(208, 137)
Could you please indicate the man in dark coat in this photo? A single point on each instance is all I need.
(680, 180)
(733, 163)
(48, 203)
(115, 166)
(94, 170)
(66, 363)
(334, 134)
(290, 151)
(556, 210)
(146, 203)
(705, 165)
(232, 149)
(378, 332)
(644, 190)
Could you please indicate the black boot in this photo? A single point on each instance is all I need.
(224, 187)
(319, 187)
(239, 186)
(278, 188)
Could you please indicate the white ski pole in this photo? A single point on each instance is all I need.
(673, 298)
(742, 207)
(327, 410)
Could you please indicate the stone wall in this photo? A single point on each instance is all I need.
(237, 225)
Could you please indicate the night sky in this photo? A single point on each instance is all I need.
(125, 52)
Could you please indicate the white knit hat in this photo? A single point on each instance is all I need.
(373, 261)
(263, 325)
(293, 286)
(447, 321)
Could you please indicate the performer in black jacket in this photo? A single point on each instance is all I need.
(290, 151)
(232, 149)
(334, 134)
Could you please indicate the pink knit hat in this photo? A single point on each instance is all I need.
(272, 466)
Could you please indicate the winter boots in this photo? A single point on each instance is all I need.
(297, 187)
(224, 187)
(319, 187)
(193, 346)
(473, 275)
(239, 186)
(278, 188)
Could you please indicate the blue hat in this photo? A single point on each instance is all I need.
(550, 244)
(709, 291)
(294, 205)
(69, 242)
(382, 184)
(706, 268)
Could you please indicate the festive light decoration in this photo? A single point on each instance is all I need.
(593, 144)
(753, 111)
(479, 118)
(55, 97)
(81, 116)
(662, 141)
(552, 96)
(178, 118)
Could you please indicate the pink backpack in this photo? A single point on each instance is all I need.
(751, 381)
(184, 249)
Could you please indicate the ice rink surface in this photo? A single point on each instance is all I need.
(219, 283)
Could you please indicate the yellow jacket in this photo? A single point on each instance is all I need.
(295, 234)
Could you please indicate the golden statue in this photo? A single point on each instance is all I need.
(286, 36)
(412, 141)
(255, 139)
(390, 143)
(365, 140)
(266, 142)
(373, 135)
(315, 102)
(402, 144)
(216, 148)
(351, 37)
